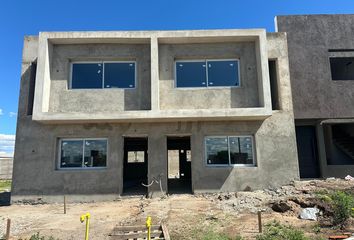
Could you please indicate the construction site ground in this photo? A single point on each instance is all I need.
(186, 216)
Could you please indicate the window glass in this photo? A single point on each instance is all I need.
(86, 75)
(229, 150)
(71, 153)
(234, 150)
(223, 73)
(241, 150)
(136, 156)
(246, 146)
(342, 68)
(217, 150)
(83, 153)
(119, 75)
(95, 153)
(190, 74)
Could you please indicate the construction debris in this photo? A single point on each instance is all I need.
(309, 214)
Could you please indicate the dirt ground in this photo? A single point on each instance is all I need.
(187, 216)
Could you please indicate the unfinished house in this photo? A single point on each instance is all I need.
(321, 59)
(103, 114)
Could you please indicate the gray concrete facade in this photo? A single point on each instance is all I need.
(318, 100)
(154, 110)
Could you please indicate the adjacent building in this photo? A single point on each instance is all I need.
(103, 114)
(321, 59)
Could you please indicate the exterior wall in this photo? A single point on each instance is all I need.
(309, 39)
(36, 152)
(315, 96)
(99, 100)
(214, 97)
(54, 103)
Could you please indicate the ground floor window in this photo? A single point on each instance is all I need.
(229, 150)
(82, 153)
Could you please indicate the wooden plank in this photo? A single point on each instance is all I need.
(165, 232)
(135, 228)
(338, 237)
(133, 235)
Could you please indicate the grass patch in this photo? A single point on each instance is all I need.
(276, 231)
(218, 236)
(5, 185)
(37, 236)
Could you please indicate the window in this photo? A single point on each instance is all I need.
(32, 84)
(273, 79)
(342, 68)
(83, 153)
(191, 74)
(136, 156)
(207, 73)
(229, 150)
(103, 75)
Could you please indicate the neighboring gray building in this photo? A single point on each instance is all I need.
(321, 59)
(102, 112)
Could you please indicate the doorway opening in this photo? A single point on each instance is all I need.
(307, 152)
(135, 167)
(179, 170)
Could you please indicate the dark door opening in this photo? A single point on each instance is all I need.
(307, 152)
(135, 167)
(179, 165)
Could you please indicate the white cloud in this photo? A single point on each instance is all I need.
(12, 114)
(1, 113)
(7, 145)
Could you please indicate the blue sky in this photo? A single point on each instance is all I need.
(19, 18)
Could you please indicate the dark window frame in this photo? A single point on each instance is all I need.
(83, 140)
(205, 60)
(254, 158)
(103, 74)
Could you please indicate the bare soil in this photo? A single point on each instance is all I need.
(187, 216)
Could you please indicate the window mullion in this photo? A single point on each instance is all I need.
(228, 149)
(206, 72)
(102, 74)
(83, 154)
(239, 145)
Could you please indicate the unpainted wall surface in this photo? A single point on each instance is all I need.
(36, 153)
(63, 99)
(310, 37)
(215, 97)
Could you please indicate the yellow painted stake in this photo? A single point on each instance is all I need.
(87, 218)
(148, 226)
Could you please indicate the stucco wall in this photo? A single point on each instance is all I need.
(36, 151)
(99, 100)
(310, 37)
(214, 97)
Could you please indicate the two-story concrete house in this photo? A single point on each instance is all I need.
(321, 59)
(101, 113)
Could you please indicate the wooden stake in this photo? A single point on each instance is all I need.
(260, 221)
(64, 204)
(7, 236)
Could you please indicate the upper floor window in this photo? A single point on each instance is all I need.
(82, 153)
(86, 75)
(342, 68)
(229, 150)
(207, 73)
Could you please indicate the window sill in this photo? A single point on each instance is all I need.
(211, 88)
(232, 166)
(81, 169)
